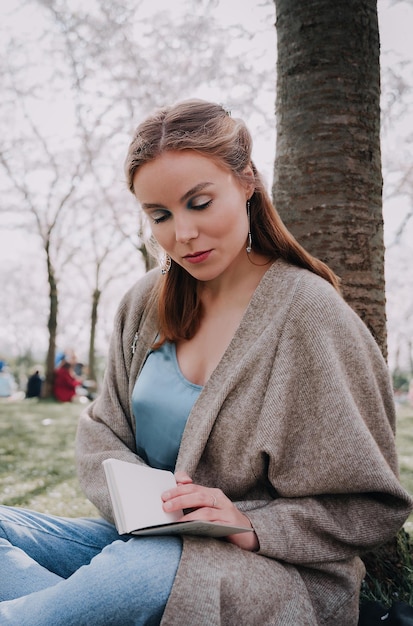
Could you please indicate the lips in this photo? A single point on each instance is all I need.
(197, 257)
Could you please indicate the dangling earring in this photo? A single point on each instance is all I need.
(249, 246)
(166, 263)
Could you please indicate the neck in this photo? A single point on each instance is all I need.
(238, 284)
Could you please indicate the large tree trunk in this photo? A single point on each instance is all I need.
(327, 182)
(327, 179)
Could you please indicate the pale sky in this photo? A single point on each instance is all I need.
(396, 26)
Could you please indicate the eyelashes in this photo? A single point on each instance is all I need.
(161, 218)
(199, 207)
(158, 219)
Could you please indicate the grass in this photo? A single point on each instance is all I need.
(404, 441)
(37, 467)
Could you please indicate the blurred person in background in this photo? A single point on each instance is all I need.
(65, 381)
(34, 385)
(7, 383)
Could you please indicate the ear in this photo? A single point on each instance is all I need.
(248, 181)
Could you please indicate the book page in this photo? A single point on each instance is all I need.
(136, 494)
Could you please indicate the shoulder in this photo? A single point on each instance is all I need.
(307, 291)
(297, 290)
(313, 307)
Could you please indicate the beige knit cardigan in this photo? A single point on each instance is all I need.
(296, 426)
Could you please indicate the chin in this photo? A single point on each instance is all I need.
(203, 274)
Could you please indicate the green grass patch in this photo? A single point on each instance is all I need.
(404, 441)
(37, 466)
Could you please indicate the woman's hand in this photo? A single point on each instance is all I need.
(211, 505)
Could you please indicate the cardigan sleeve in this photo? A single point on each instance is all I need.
(105, 428)
(336, 487)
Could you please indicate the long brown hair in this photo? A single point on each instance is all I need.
(206, 128)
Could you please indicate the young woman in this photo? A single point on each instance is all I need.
(239, 367)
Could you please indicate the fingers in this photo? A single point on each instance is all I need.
(209, 504)
(190, 496)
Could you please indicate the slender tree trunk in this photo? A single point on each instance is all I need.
(410, 349)
(328, 182)
(93, 324)
(52, 328)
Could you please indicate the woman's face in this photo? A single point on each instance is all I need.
(197, 211)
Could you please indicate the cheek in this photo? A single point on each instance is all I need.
(235, 222)
(163, 235)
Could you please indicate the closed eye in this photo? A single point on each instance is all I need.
(199, 206)
(159, 216)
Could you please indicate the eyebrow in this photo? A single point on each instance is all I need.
(194, 190)
(199, 187)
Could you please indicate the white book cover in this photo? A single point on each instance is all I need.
(135, 492)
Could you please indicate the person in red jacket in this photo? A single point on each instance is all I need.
(65, 383)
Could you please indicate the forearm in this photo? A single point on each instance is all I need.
(327, 528)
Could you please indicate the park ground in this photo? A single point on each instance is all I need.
(37, 471)
(404, 440)
(37, 468)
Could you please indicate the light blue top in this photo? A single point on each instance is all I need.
(162, 400)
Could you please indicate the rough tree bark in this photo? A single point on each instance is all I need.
(328, 182)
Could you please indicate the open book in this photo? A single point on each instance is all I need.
(135, 491)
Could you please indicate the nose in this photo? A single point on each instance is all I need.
(185, 228)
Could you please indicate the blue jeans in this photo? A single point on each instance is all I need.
(77, 572)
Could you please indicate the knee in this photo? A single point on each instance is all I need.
(151, 555)
(3, 534)
(6, 515)
(4, 543)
